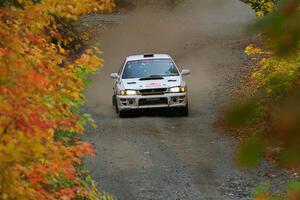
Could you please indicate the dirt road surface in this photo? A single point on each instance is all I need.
(154, 155)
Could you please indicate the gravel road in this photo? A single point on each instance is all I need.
(154, 155)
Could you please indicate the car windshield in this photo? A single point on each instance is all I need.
(149, 68)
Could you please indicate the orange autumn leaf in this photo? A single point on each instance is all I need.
(40, 85)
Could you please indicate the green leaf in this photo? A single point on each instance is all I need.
(249, 152)
(242, 114)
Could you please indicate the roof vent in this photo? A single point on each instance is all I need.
(148, 55)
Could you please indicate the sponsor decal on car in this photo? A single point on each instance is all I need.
(153, 84)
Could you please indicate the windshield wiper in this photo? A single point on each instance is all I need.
(152, 77)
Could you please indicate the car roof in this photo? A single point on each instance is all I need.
(147, 56)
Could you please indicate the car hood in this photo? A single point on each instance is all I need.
(166, 82)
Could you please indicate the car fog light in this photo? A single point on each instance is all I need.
(174, 99)
(131, 102)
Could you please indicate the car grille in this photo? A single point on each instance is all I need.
(153, 101)
(153, 91)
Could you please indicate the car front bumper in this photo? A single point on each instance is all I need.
(152, 101)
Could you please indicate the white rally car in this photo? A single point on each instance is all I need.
(150, 81)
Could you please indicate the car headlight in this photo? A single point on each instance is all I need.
(178, 89)
(131, 92)
(175, 89)
(128, 92)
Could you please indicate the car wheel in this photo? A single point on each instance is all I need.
(115, 104)
(184, 112)
(117, 108)
(113, 100)
(123, 113)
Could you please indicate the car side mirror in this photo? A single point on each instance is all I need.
(185, 72)
(114, 75)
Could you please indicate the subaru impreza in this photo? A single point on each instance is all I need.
(150, 81)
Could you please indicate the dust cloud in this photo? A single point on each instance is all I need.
(170, 157)
(196, 33)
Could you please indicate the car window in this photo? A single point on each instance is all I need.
(149, 67)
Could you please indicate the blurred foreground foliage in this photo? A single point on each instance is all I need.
(268, 116)
(281, 28)
(263, 7)
(41, 90)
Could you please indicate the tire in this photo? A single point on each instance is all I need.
(184, 112)
(115, 104)
(123, 113)
(113, 100)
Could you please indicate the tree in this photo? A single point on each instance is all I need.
(269, 117)
(41, 90)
